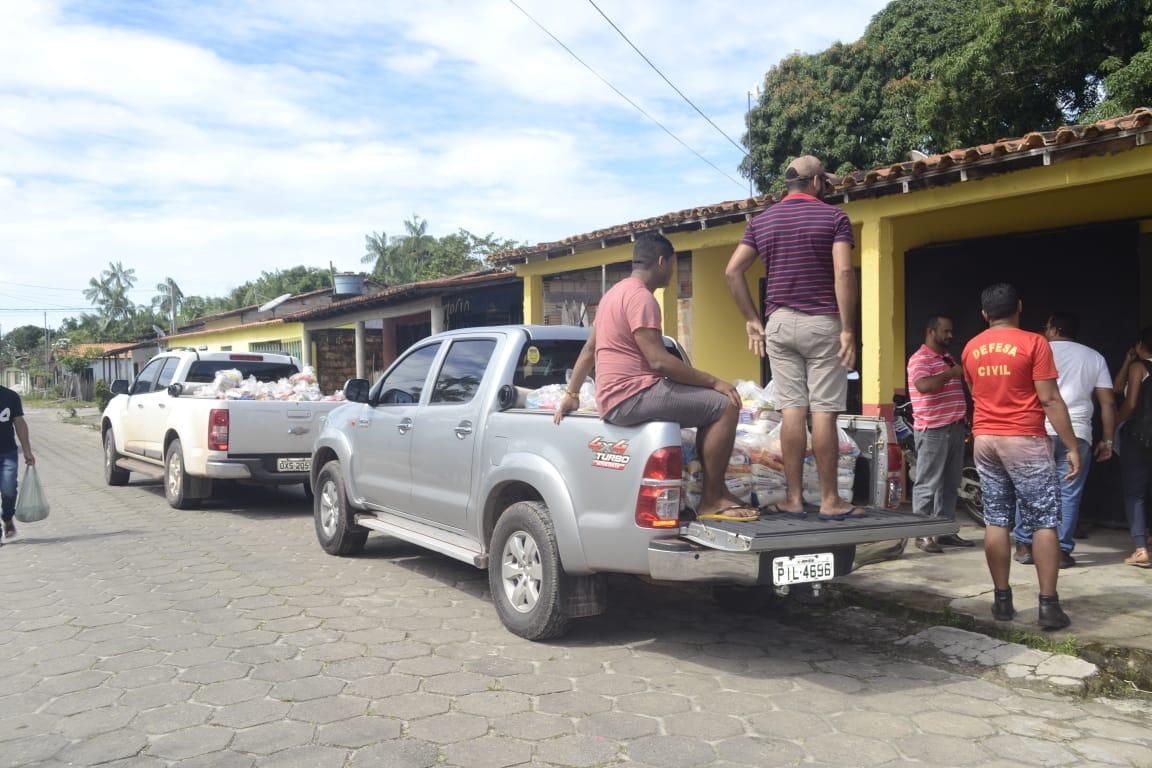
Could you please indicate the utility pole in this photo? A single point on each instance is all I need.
(172, 302)
(748, 128)
(47, 354)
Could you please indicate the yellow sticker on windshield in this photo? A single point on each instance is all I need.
(533, 355)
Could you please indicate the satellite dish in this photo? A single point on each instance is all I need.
(274, 303)
(159, 331)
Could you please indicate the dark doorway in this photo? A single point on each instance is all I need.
(1093, 271)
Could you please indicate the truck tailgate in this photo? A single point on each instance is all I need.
(777, 532)
(274, 428)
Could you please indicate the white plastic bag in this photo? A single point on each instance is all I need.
(31, 503)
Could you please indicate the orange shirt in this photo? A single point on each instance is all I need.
(622, 371)
(1001, 366)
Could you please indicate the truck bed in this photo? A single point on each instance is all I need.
(778, 532)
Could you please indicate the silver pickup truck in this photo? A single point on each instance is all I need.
(443, 453)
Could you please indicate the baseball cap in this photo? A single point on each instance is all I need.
(808, 167)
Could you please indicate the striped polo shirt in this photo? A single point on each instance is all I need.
(794, 239)
(937, 409)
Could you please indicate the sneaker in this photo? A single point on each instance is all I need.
(1024, 554)
(1139, 558)
(1002, 608)
(1066, 560)
(1052, 616)
(954, 540)
(9, 528)
(928, 544)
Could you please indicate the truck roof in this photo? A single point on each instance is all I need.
(539, 332)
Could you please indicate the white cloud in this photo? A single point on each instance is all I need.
(210, 141)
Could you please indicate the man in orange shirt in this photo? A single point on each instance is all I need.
(1012, 377)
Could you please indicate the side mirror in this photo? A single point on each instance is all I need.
(120, 387)
(175, 390)
(356, 390)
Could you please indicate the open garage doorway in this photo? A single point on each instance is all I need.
(1095, 271)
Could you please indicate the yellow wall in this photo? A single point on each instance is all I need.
(240, 338)
(1088, 190)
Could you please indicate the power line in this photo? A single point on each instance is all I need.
(670, 83)
(619, 93)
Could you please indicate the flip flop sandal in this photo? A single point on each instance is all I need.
(849, 515)
(774, 509)
(722, 514)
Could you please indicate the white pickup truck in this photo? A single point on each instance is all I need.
(151, 427)
(443, 453)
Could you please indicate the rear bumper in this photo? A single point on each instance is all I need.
(252, 468)
(675, 559)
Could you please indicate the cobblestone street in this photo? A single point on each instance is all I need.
(132, 634)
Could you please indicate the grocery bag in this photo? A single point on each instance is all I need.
(31, 504)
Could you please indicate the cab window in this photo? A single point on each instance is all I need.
(405, 383)
(463, 370)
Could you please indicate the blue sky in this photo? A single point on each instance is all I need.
(207, 141)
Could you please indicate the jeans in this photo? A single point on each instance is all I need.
(1070, 493)
(1136, 471)
(939, 464)
(9, 465)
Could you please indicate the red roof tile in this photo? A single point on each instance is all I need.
(995, 156)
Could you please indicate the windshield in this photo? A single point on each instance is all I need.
(204, 371)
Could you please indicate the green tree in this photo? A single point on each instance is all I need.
(932, 75)
(108, 292)
(24, 338)
(416, 255)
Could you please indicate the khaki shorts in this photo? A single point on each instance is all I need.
(804, 353)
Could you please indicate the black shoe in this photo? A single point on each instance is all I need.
(954, 540)
(1066, 560)
(1052, 616)
(928, 544)
(1002, 609)
(1024, 554)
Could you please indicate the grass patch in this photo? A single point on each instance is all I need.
(1065, 646)
(39, 402)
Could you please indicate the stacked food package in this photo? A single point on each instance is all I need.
(230, 384)
(756, 470)
(548, 398)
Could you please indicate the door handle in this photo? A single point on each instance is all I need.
(139, 405)
(162, 405)
(463, 429)
(363, 422)
(404, 426)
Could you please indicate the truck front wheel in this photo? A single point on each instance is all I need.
(178, 486)
(337, 533)
(525, 574)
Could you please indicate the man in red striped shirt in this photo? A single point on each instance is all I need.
(810, 307)
(939, 408)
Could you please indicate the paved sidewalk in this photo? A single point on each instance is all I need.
(1110, 603)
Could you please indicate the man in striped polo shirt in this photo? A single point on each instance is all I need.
(939, 408)
(810, 306)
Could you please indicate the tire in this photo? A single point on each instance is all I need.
(178, 486)
(972, 496)
(525, 573)
(744, 599)
(113, 475)
(337, 533)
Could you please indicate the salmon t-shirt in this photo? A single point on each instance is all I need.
(1001, 366)
(621, 369)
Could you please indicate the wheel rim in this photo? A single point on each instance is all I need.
(521, 571)
(329, 508)
(175, 475)
(109, 465)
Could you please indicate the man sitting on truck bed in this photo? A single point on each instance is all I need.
(638, 380)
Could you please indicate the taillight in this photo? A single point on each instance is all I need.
(218, 429)
(658, 504)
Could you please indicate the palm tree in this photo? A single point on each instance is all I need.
(399, 260)
(109, 293)
(168, 300)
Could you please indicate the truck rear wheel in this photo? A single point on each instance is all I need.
(113, 475)
(525, 574)
(335, 529)
(179, 487)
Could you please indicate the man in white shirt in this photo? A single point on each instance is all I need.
(1082, 373)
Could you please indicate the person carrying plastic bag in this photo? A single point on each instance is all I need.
(12, 427)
